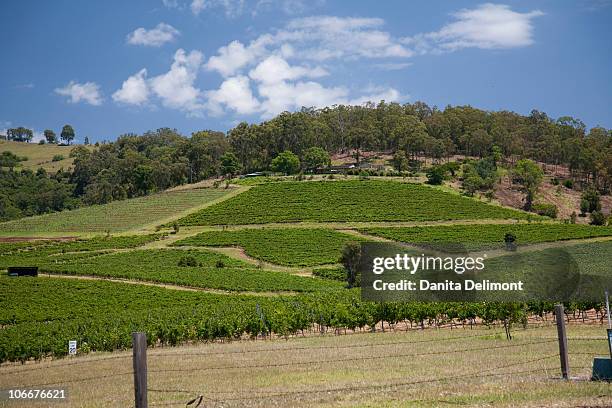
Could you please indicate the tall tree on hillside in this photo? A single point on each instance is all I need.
(19, 134)
(50, 136)
(67, 134)
(530, 176)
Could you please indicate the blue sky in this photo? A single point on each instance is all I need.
(115, 67)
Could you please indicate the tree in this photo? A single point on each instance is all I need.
(50, 136)
(286, 162)
(590, 201)
(351, 255)
(315, 158)
(435, 175)
(230, 165)
(67, 134)
(19, 134)
(529, 175)
(86, 142)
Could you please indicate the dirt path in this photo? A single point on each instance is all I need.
(165, 285)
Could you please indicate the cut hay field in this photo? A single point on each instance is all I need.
(40, 155)
(117, 216)
(290, 246)
(343, 201)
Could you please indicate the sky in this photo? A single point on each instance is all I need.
(115, 67)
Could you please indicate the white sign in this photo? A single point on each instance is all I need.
(72, 347)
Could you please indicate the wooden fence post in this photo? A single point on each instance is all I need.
(560, 317)
(139, 347)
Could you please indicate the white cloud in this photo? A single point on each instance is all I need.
(170, 3)
(88, 92)
(155, 37)
(134, 91)
(275, 69)
(176, 87)
(234, 93)
(232, 8)
(488, 26)
(392, 66)
(326, 37)
(28, 85)
(234, 56)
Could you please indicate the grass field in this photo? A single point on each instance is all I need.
(291, 247)
(117, 216)
(430, 368)
(346, 201)
(39, 155)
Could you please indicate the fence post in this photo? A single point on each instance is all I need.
(560, 317)
(139, 347)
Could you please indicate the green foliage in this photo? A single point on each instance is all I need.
(590, 201)
(19, 134)
(598, 218)
(229, 164)
(67, 134)
(436, 175)
(568, 183)
(57, 157)
(50, 136)
(117, 216)
(25, 193)
(287, 246)
(477, 235)
(351, 255)
(529, 175)
(547, 210)
(335, 274)
(315, 158)
(286, 162)
(188, 261)
(9, 159)
(162, 266)
(344, 201)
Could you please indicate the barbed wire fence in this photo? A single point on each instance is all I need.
(200, 398)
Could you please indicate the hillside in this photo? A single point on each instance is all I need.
(40, 155)
(117, 216)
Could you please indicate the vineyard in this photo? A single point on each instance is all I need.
(291, 246)
(102, 315)
(117, 216)
(494, 234)
(343, 201)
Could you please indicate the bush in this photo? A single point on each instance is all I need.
(336, 274)
(435, 175)
(547, 210)
(188, 261)
(554, 181)
(569, 183)
(220, 264)
(41, 142)
(175, 228)
(364, 175)
(597, 218)
(510, 240)
(57, 157)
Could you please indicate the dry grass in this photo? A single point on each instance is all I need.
(343, 371)
(40, 155)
